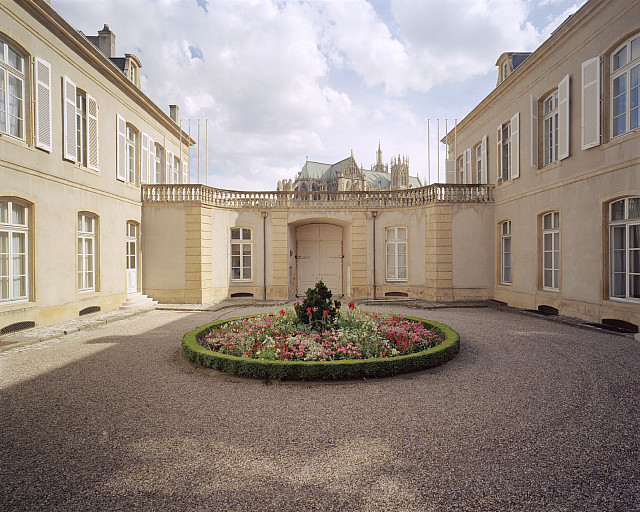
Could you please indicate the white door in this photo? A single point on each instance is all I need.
(132, 257)
(319, 257)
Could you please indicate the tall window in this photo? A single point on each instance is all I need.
(176, 170)
(505, 245)
(131, 154)
(624, 244)
(550, 128)
(479, 169)
(625, 87)
(396, 242)
(461, 165)
(551, 250)
(14, 234)
(505, 164)
(12, 78)
(157, 165)
(81, 127)
(86, 252)
(240, 254)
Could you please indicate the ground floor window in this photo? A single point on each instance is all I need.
(505, 245)
(624, 245)
(551, 250)
(86, 252)
(14, 237)
(396, 250)
(241, 245)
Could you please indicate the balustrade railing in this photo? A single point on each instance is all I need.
(436, 193)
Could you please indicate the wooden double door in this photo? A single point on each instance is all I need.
(319, 257)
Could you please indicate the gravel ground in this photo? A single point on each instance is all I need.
(531, 415)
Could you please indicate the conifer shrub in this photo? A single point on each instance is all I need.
(317, 309)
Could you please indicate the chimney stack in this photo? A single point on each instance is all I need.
(105, 41)
(173, 113)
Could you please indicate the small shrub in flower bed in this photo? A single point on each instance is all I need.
(361, 344)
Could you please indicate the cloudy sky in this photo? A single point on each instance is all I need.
(281, 81)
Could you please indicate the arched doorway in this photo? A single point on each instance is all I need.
(319, 257)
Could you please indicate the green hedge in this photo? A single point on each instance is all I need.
(325, 370)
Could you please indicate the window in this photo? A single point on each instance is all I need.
(157, 164)
(86, 252)
(508, 149)
(12, 78)
(461, 166)
(551, 250)
(240, 254)
(624, 243)
(550, 128)
(504, 71)
(479, 166)
(130, 149)
(396, 242)
(14, 234)
(505, 247)
(625, 87)
(81, 127)
(176, 170)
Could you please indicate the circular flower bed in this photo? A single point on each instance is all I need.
(351, 344)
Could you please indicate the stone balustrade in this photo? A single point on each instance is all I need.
(414, 197)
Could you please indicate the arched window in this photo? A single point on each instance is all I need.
(14, 250)
(625, 86)
(624, 248)
(12, 80)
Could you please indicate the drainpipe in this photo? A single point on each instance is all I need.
(264, 255)
(374, 214)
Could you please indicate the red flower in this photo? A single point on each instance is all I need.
(282, 312)
(308, 310)
(325, 313)
(352, 305)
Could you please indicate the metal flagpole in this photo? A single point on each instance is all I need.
(438, 149)
(428, 154)
(206, 151)
(455, 141)
(198, 147)
(181, 154)
(446, 146)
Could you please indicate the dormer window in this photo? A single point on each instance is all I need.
(504, 71)
(133, 74)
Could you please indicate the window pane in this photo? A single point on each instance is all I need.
(246, 234)
(14, 60)
(19, 243)
(556, 220)
(634, 236)
(620, 59)
(619, 90)
(634, 208)
(618, 237)
(18, 214)
(235, 233)
(619, 261)
(390, 233)
(634, 286)
(546, 222)
(19, 287)
(617, 210)
(635, 49)
(402, 233)
(548, 279)
(246, 249)
(235, 261)
(235, 249)
(246, 261)
(247, 273)
(4, 212)
(402, 272)
(634, 262)
(4, 287)
(235, 273)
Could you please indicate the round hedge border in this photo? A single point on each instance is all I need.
(321, 370)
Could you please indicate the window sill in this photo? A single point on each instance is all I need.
(87, 294)
(618, 301)
(620, 138)
(549, 167)
(86, 169)
(502, 183)
(16, 305)
(14, 140)
(551, 291)
(240, 281)
(396, 281)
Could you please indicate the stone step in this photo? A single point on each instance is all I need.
(137, 301)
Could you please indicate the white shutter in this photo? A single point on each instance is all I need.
(185, 173)
(563, 118)
(484, 159)
(499, 153)
(463, 165)
(43, 104)
(92, 121)
(591, 103)
(450, 170)
(169, 159)
(534, 132)
(121, 171)
(152, 161)
(144, 171)
(515, 146)
(467, 166)
(70, 120)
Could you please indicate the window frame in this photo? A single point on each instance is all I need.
(626, 70)
(550, 233)
(131, 154)
(505, 235)
(83, 257)
(12, 229)
(8, 71)
(505, 143)
(623, 224)
(550, 129)
(81, 128)
(242, 243)
(158, 153)
(395, 243)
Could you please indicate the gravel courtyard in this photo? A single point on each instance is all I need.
(531, 415)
